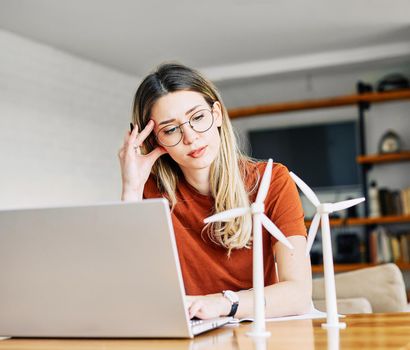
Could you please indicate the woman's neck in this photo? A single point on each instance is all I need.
(199, 179)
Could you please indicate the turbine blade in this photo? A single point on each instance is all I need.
(347, 204)
(226, 215)
(274, 231)
(312, 232)
(265, 182)
(305, 189)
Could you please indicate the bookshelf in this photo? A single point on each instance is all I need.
(363, 99)
(330, 102)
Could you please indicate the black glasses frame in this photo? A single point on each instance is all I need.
(187, 122)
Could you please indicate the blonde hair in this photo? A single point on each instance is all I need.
(228, 169)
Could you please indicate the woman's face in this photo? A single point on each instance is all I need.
(195, 150)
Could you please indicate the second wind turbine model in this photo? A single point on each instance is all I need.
(322, 214)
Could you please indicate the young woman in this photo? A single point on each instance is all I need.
(183, 148)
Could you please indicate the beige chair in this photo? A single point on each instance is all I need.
(373, 289)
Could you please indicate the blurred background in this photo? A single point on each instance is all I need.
(69, 70)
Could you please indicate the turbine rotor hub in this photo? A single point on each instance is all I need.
(325, 208)
(257, 208)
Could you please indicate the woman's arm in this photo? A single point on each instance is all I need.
(292, 295)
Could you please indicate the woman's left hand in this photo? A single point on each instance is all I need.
(206, 306)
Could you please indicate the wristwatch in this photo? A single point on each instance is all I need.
(234, 299)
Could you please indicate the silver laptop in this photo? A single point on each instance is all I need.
(107, 270)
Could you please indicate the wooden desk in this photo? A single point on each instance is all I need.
(370, 331)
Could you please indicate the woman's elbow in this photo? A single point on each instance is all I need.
(304, 299)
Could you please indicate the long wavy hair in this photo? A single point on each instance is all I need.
(227, 170)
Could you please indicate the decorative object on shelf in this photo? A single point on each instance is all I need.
(391, 82)
(364, 88)
(348, 248)
(390, 142)
(322, 214)
(259, 219)
(374, 201)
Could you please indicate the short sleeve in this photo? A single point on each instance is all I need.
(283, 204)
(151, 189)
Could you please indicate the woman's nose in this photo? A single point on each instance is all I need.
(189, 135)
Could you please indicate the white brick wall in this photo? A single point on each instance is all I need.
(62, 120)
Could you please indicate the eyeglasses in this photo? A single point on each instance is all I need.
(170, 135)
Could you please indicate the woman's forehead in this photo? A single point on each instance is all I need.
(176, 104)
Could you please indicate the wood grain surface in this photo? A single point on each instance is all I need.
(367, 331)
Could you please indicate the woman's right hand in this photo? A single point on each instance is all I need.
(135, 167)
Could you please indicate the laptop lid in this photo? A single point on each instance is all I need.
(106, 270)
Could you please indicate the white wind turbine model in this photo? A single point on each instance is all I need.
(322, 214)
(259, 218)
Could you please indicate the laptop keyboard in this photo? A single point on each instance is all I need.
(199, 326)
(196, 322)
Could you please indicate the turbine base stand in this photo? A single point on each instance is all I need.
(258, 334)
(340, 325)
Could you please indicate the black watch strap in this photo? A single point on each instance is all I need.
(234, 299)
(234, 308)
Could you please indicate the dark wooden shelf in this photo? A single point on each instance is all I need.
(384, 158)
(350, 267)
(330, 102)
(367, 221)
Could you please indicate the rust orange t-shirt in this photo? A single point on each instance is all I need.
(205, 266)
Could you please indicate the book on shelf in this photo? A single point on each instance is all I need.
(379, 246)
(385, 246)
(405, 199)
(394, 202)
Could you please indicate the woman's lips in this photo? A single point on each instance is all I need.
(198, 152)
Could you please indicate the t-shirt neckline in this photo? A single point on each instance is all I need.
(193, 190)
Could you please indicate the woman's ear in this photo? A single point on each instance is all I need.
(217, 113)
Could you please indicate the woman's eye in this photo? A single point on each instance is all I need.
(197, 118)
(170, 130)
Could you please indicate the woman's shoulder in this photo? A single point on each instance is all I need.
(253, 171)
(259, 166)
